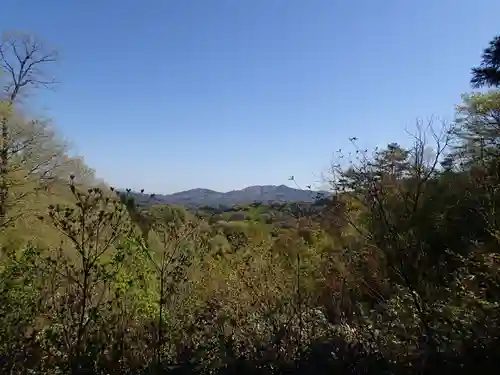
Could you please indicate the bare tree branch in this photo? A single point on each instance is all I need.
(23, 59)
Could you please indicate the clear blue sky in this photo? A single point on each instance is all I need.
(170, 95)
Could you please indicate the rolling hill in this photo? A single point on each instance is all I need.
(207, 197)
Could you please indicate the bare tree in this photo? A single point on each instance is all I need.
(23, 59)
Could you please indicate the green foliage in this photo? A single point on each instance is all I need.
(488, 73)
(397, 273)
(478, 128)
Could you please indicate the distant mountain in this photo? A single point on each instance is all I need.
(206, 197)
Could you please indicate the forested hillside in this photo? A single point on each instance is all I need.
(398, 272)
(206, 197)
